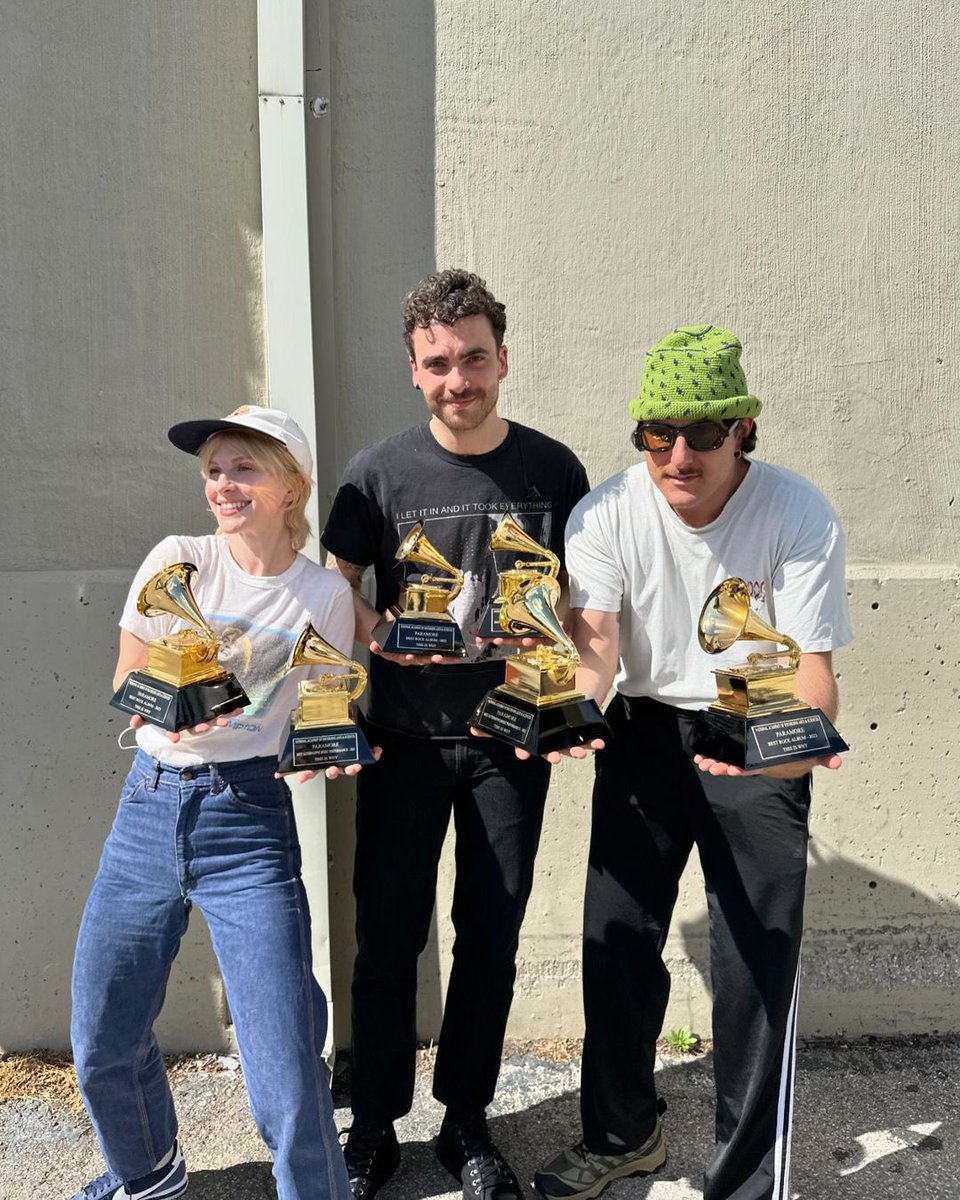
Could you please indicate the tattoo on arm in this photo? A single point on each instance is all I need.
(352, 572)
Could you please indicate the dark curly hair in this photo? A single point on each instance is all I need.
(747, 446)
(447, 297)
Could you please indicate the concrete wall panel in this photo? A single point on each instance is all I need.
(612, 171)
(785, 171)
(129, 250)
(130, 259)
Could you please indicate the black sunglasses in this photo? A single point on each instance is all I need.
(699, 435)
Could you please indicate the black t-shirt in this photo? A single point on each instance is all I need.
(389, 487)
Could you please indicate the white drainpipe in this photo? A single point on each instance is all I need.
(289, 336)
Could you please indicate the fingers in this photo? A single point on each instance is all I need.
(576, 751)
(408, 660)
(712, 766)
(789, 770)
(203, 727)
(334, 771)
(478, 732)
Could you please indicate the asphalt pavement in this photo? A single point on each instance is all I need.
(874, 1121)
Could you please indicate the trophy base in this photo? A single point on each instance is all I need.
(490, 626)
(767, 741)
(174, 708)
(420, 635)
(315, 747)
(540, 729)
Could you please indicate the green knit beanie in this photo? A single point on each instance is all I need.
(694, 374)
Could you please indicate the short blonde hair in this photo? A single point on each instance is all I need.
(276, 459)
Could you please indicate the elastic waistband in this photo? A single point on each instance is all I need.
(235, 771)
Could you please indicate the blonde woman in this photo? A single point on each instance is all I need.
(204, 820)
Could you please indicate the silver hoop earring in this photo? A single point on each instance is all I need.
(738, 454)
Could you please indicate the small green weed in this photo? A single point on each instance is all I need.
(683, 1040)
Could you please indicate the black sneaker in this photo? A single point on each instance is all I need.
(372, 1154)
(468, 1152)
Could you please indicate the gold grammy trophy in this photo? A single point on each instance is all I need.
(538, 706)
(510, 535)
(322, 730)
(183, 683)
(758, 719)
(424, 626)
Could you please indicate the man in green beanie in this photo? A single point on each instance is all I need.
(644, 550)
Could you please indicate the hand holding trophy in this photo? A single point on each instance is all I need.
(538, 707)
(509, 535)
(322, 731)
(758, 719)
(424, 626)
(183, 683)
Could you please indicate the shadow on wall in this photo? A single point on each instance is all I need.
(879, 956)
(380, 191)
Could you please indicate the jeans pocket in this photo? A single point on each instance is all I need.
(133, 787)
(264, 795)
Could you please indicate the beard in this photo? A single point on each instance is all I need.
(472, 417)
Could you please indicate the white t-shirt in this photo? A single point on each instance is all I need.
(258, 618)
(629, 552)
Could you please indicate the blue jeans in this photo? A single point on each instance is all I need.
(221, 836)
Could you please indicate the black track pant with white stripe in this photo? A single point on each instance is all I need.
(650, 806)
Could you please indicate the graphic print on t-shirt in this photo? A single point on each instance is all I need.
(461, 533)
(262, 672)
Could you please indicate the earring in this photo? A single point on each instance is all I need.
(738, 454)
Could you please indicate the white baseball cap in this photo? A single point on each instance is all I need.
(190, 435)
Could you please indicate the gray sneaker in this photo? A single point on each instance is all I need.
(579, 1174)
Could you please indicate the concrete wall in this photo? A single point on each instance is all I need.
(130, 261)
(614, 171)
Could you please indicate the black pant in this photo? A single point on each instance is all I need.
(403, 810)
(650, 805)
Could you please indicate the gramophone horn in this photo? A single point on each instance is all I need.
(533, 606)
(313, 650)
(510, 535)
(416, 547)
(727, 617)
(169, 591)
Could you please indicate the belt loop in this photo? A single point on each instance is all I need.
(154, 775)
(216, 783)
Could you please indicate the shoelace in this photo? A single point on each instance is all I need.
(101, 1186)
(490, 1170)
(360, 1147)
(474, 1137)
(487, 1167)
(581, 1152)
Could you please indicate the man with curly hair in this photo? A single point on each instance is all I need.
(458, 473)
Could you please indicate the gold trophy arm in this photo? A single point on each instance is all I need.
(546, 566)
(359, 676)
(170, 592)
(792, 651)
(439, 581)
